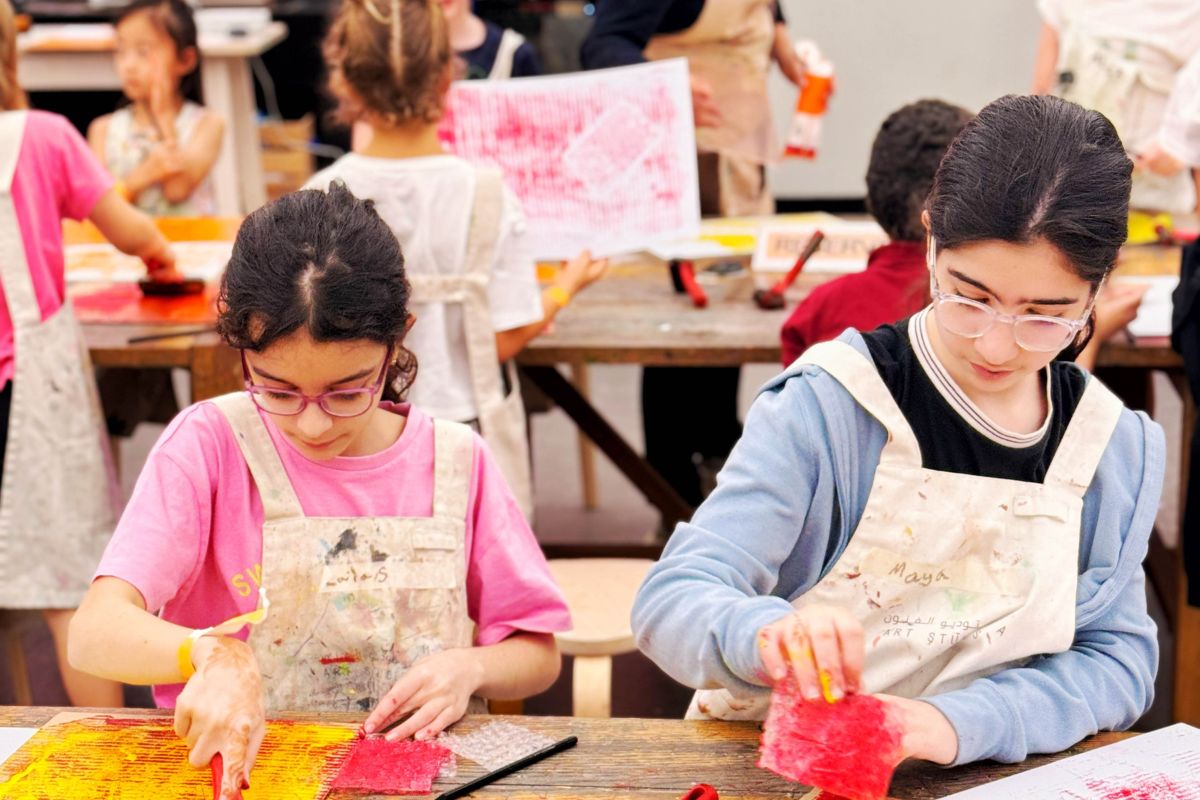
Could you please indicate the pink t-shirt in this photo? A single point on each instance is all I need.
(190, 539)
(57, 177)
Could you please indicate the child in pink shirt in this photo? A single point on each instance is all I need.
(396, 572)
(53, 177)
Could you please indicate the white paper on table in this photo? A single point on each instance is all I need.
(1165, 763)
(604, 159)
(1154, 314)
(11, 740)
(692, 250)
(103, 263)
(845, 248)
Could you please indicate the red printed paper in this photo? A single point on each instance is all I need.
(404, 767)
(849, 748)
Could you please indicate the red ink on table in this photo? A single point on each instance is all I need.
(404, 767)
(125, 303)
(346, 659)
(849, 748)
(1145, 787)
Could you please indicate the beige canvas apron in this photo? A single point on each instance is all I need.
(954, 577)
(1130, 84)
(730, 47)
(506, 51)
(356, 600)
(58, 496)
(501, 417)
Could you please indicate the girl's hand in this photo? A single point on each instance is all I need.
(220, 710)
(1157, 160)
(435, 690)
(165, 162)
(928, 735)
(160, 262)
(822, 645)
(581, 271)
(784, 53)
(1117, 306)
(704, 108)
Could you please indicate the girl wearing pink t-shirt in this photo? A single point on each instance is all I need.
(57, 498)
(385, 563)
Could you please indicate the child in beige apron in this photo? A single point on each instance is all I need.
(980, 556)
(729, 46)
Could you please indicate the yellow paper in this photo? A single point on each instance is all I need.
(1143, 227)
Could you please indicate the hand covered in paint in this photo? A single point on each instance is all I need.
(580, 272)
(704, 108)
(928, 735)
(822, 645)
(1157, 160)
(435, 692)
(220, 710)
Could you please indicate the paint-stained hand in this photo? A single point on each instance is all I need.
(434, 694)
(928, 735)
(220, 710)
(822, 645)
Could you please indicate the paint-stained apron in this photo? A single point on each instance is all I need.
(354, 600)
(730, 47)
(501, 417)
(58, 495)
(1130, 84)
(953, 577)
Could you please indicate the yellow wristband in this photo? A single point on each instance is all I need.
(559, 295)
(123, 191)
(186, 668)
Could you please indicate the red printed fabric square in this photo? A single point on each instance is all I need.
(382, 767)
(849, 748)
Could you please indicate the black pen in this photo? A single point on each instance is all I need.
(520, 763)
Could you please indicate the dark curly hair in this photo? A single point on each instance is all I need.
(906, 153)
(1037, 167)
(324, 262)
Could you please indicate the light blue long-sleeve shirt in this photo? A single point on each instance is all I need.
(787, 503)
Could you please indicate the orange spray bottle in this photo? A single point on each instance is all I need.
(804, 134)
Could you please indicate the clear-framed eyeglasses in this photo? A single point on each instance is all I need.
(971, 319)
(337, 403)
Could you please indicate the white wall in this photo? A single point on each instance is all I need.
(891, 52)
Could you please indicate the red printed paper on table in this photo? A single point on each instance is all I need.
(602, 159)
(403, 767)
(849, 749)
(125, 303)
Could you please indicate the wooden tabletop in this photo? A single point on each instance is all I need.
(634, 316)
(650, 758)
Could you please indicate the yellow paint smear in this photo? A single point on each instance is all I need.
(103, 758)
(827, 687)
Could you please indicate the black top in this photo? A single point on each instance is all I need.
(622, 28)
(948, 442)
(480, 60)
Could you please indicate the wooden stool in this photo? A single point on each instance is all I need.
(600, 593)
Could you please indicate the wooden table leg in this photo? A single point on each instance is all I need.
(587, 452)
(648, 481)
(216, 370)
(1187, 618)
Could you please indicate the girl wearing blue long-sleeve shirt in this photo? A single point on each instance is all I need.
(939, 512)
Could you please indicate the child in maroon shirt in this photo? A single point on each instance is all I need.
(904, 157)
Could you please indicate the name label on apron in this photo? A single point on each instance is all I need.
(387, 574)
(965, 575)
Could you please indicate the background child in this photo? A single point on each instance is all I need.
(56, 499)
(939, 509)
(162, 145)
(476, 295)
(905, 155)
(309, 479)
(487, 50)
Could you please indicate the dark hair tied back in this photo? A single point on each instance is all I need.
(320, 261)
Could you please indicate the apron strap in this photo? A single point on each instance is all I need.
(502, 66)
(1086, 439)
(858, 376)
(22, 302)
(469, 289)
(453, 463)
(274, 487)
